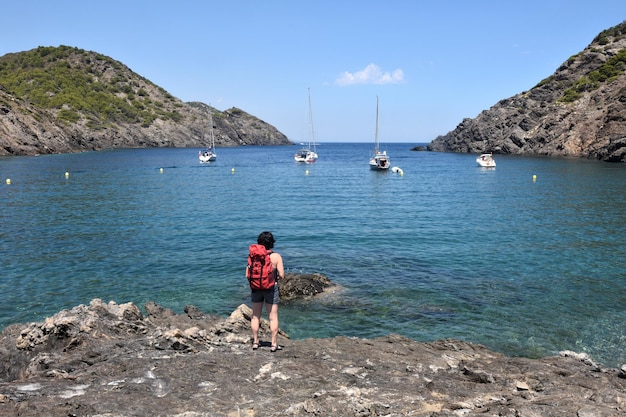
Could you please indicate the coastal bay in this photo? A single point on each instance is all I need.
(524, 259)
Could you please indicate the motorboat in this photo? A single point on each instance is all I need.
(486, 160)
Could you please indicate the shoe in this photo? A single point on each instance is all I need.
(274, 348)
(255, 346)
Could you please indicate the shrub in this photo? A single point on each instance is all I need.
(48, 78)
(68, 115)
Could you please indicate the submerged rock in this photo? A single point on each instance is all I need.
(107, 359)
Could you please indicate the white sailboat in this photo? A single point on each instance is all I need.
(209, 154)
(308, 155)
(379, 160)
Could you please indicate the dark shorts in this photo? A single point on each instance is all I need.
(265, 296)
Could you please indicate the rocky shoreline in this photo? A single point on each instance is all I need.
(109, 359)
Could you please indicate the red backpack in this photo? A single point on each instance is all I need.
(260, 271)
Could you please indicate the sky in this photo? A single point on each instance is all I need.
(430, 63)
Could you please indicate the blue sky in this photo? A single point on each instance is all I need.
(431, 63)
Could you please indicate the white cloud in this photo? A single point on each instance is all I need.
(372, 74)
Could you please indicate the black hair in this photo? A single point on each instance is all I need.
(266, 239)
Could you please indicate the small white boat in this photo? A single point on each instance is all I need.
(308, 155)
(486, 160)
(209, 154)
(305, 155)
(380, 160)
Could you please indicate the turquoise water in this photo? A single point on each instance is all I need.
(448, 250)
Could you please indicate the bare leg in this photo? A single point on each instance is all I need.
(257, 309)
(273, 313)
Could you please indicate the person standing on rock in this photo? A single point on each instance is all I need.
(267, 296)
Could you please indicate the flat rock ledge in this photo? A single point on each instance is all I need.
(111, 360)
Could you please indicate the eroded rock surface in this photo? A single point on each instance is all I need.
(109, 359)
(300, 286)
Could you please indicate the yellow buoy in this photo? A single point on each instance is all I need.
(232, 170)
(9, 181)
(534, 178)
(67, 174)
(161, 170)
(306, 172)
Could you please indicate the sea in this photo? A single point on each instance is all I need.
(528, 258)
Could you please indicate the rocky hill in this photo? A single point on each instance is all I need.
(64, 99)
(579, 111)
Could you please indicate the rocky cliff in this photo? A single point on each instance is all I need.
(579, 111)
(109, 359)
(64, 99)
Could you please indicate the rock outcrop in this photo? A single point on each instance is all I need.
(579, 111)
(109, 359)
(300, 286)
(70, 100)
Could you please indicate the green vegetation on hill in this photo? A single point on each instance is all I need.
(77, 84)
(610, 70)
(616, 33)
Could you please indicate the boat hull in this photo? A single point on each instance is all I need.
(380, 162)
(305, 156)
(206, 156)
(375, 167)
(486, 161)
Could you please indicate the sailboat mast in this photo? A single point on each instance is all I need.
(311, 121)
(211, 129)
